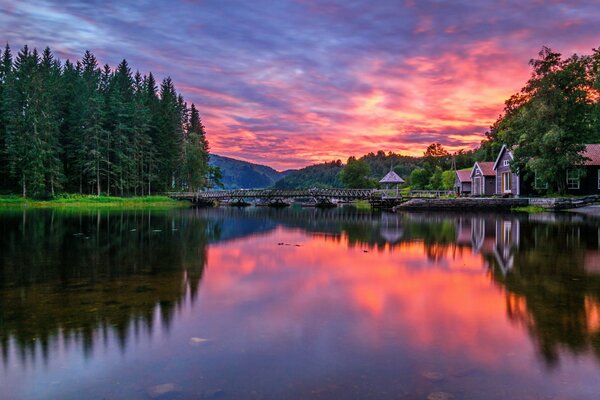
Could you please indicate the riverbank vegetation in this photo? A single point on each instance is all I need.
(83, 201)
(76, 127)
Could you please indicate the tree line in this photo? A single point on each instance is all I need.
(434, 170)
(78, 127)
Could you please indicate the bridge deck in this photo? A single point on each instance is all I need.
(345, 194)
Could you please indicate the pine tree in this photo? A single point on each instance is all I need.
(195, 153)
(169, 135)
(47, 89)
(93, 133)
(5, 72)
(151, 103)
(23, 140)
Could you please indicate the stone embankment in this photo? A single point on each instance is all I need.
(566, 203)
(463, 204)
(493, 203)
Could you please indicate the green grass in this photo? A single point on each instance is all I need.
(529, 209)
(77, 200)
(362, 205)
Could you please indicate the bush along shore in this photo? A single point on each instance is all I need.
(67, 201)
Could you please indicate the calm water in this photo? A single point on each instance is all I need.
(298, 304)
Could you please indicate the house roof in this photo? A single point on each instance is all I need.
(486, 167)
(391, 177)
(502, 150)
(464, 175)
(592, 151)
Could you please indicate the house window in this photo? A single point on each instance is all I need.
(506, 163)
(572, 179)
(540, 184)
(506, 182)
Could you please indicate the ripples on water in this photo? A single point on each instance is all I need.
(295, 304)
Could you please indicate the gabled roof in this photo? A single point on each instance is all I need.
(486, 168)
(464, 175)
(502, 150)
(391, 177)
(592, 151)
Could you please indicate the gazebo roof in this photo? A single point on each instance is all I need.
(391, 177)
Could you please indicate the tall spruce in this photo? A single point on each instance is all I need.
(169, 136)
(195, 169)
(5, 71)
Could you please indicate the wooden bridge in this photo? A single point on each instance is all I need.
(319, 197)
(275, 197)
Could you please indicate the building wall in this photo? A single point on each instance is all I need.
(490, 185)
(466, 187)
(487, 186)
(514, 178)
(462, 188)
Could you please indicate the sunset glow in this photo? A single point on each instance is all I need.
(290, 83)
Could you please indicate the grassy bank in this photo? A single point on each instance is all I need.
(76, 200)
(529, 209)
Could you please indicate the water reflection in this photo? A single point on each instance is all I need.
(82, 277)
(299, 303)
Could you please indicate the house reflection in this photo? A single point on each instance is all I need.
(497, 238)
(550, 272)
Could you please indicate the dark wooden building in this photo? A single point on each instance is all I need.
(586, 179)
(462, 183)
(507, 182)
(483, 179)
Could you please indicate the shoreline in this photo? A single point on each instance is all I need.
(90, 201)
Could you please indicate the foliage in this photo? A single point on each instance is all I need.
(355, 174)
(548, 123)
(436, 156)
(419, 179)
(324, 175)
(76, 127)
(448, 179)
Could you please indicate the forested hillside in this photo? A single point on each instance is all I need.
(314, 176)
(425, 171)
(238, 174)
(78, 127)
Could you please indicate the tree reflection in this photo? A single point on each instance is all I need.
(84, 276)
(549, 272)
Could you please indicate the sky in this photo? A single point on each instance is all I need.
(288, 83)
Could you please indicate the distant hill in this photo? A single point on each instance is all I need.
(318, 176)
(238, 174)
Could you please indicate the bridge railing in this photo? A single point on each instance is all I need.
(346, 194)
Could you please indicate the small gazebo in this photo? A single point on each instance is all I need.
(392, 179)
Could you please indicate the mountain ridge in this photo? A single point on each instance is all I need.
(239, 174)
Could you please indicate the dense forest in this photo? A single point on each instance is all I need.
(80, 128)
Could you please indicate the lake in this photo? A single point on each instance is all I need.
(261, 303)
